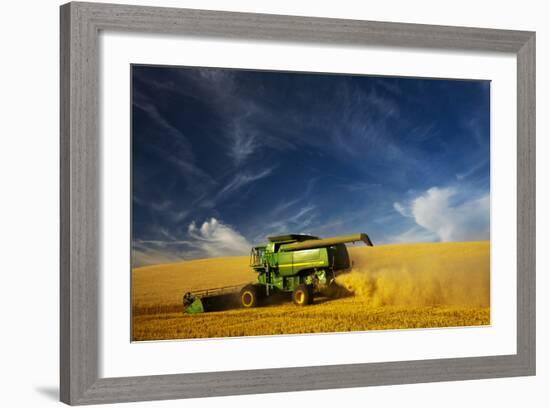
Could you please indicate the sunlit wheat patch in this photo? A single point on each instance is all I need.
(393, 286)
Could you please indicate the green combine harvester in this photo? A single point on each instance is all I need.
(300, 264)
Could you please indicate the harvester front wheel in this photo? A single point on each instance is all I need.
(249, 296)
(302, 295)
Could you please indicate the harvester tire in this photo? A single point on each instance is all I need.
(302, 295)
(249, 296)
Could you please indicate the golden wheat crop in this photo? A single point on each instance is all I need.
(395, 287)
(159, 288)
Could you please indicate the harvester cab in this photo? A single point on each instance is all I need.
(303, 265)
(257, 256)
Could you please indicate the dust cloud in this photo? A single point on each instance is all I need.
(424, 275)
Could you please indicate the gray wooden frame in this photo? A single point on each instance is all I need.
(80, 235)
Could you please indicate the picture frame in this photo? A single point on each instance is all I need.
(81, 24)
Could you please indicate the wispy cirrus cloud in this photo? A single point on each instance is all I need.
(166, 209)
(176, 149)
(244, 142)
(242, 179)
(217, 88)
(473, 169)
(142, 102)
(298, 220)
(152, 252)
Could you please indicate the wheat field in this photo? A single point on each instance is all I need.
(394, 287)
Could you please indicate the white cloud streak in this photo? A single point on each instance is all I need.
(241, 180)
(244, 142)
(401, 210)
(438, 213)
(297, 223)
(214, 238)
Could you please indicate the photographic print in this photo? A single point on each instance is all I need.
(277, 203)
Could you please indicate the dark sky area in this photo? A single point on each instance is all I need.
(223, 158)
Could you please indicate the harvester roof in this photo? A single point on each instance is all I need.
(291, 237)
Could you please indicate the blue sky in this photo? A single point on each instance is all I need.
(222, 158)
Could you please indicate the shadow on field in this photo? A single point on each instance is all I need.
(231, 301)
(221, 302)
